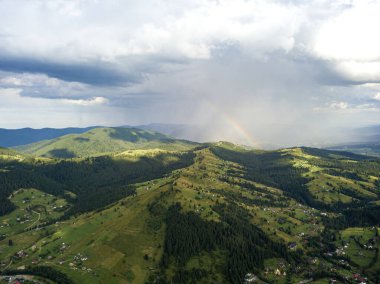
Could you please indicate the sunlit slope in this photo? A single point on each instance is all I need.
(9, 155)
(319, 178)
(104, 140)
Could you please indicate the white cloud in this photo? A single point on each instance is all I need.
(35, 80)
(11, 81)
(351, 35)
(108, 30)
(377, 96)
(338, 105)
(344, 107)
(89, 102)
(362, 71)
(350, 40)
(87, 29)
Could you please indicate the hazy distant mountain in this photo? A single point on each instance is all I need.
(369, 149)
(16, 137)
(364, 141)
(369, 134)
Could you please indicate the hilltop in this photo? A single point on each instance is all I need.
(104, 140)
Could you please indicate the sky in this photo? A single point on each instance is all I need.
(280, 72)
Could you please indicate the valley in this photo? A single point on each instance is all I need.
(212, 213)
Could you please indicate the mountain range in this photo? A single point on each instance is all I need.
(363, 140)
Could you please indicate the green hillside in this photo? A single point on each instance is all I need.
(100, 141)
(11, 155)
(209, 215)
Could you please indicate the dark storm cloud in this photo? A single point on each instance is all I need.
(325, 74)
(98, 74)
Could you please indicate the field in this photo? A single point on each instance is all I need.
(34, 208)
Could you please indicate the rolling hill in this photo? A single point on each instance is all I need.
(100, 141)
(212, 214)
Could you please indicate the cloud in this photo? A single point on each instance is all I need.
(18, 111)
(107, 31)
(338, 105)
(281, 70)
(377, 97)
(359, 72)
(344, 107)
(88, 73)
(351, 34)
(9, 96)
(349, 40)
(88, 102)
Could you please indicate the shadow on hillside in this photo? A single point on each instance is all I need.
(81, 139)
(99, 181)
(60, 153)
(95, 181)
(135, 135)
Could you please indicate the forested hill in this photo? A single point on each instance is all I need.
(104, 140)
(216, 213)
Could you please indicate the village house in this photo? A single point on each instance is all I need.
(359, 278)
(250, 278)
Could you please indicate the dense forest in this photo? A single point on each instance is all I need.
(95, 181)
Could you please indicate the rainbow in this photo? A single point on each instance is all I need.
(234, 123)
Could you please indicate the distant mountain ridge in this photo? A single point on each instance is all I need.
(104, 140)
(23, 136)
